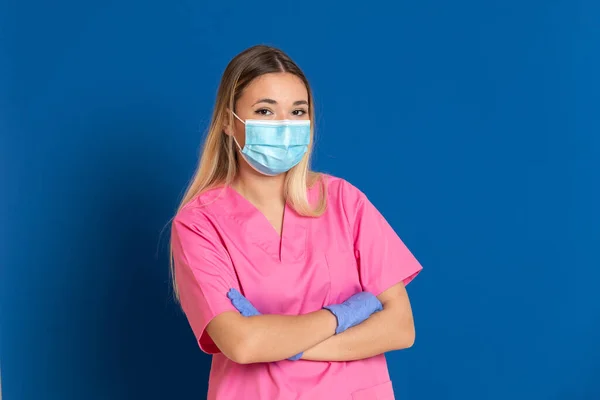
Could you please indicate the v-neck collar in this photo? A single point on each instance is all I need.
(289, 246)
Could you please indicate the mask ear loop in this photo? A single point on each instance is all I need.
(234, 139)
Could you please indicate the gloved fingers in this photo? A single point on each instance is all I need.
(233, 294)
(241, 303)
(237, 298)
(374, 303)
(365, 300)
(379, 306)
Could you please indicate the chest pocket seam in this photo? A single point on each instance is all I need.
(341, 282)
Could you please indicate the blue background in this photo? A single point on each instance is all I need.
(472, 125)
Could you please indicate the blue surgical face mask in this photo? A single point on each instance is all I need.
(274, 146)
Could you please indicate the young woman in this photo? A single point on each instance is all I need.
(291, 279)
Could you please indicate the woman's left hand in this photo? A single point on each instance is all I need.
(242, 304)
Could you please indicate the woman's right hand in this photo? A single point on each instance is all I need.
(355, 310)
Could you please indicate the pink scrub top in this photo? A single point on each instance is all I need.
(221, 241)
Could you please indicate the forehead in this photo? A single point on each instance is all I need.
(281, 87)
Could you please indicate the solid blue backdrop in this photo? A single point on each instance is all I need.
(473, 126)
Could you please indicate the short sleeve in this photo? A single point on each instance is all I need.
(383, 258)
(203, 273)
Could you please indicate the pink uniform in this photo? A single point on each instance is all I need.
(222, 241)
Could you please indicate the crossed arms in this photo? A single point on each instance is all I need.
(269, 338)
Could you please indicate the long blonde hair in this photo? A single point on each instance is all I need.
(218, 161)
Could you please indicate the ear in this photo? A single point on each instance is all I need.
(228, 125)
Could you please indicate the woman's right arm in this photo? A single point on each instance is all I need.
(204, 274)
(268, 338)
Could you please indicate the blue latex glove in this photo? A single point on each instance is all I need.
(246, 308)
(355, 310)
(241, 303)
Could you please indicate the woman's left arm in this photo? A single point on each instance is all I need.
(385, 267)
(390, 329)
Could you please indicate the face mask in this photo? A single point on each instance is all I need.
(274, 146)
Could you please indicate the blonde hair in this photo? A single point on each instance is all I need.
(218, 161)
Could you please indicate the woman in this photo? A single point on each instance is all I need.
(291, 279)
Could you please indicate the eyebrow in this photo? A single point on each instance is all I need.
(271, 101)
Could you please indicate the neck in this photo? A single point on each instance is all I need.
(257, 188)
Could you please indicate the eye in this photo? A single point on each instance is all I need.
(263, 111)
(299, 112)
